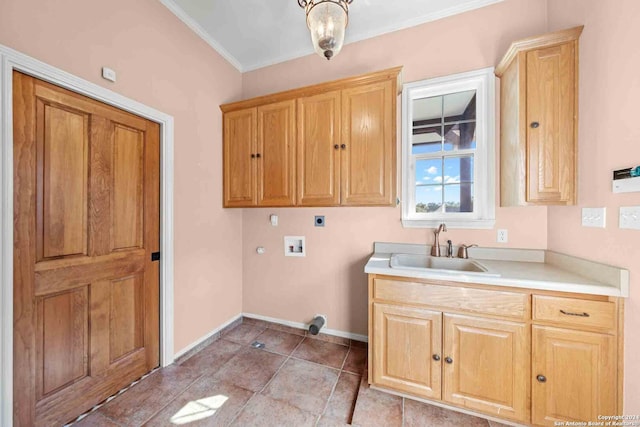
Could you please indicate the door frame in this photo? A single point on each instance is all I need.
(11, 60)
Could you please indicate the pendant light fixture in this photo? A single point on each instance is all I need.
(327, 21)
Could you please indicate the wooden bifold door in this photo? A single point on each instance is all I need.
(86, 222)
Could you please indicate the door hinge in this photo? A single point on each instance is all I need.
(155, 256)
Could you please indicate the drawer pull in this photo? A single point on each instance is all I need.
(568, 313)
(541, 378)
(436, 357)
(448, 360)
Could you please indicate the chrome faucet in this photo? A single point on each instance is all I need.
(449, 249)
(435, 249)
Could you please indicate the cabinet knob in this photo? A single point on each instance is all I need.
(448, 360)
(258, 155)
(336, 146)
(436, 357)
(535, 125)
(541, 378)
(343, 146)
(253, 156)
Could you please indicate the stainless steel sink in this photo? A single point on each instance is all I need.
(438, 264)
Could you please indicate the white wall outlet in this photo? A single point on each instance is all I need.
(503, 236)
(630, 217)
(594, 217)
(108, 74)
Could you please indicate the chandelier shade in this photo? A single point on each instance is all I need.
(327, 21)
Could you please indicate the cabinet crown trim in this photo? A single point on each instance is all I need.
(363, 79)
(544, 40)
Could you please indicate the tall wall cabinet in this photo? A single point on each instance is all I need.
(325, 145)
(539, 120)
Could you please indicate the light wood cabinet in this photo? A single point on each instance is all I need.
(533, 357)
(259, 156)
(319, 149)
(574, 372)
(539, 120)
(407, 348)
(368, 145)
(325, 145)
(486, 365)
(239, 180)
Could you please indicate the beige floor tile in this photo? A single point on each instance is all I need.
(418, 414)
(250, 368)
(244, 334)
(205, 403)
(355, 360)
(263, 411)
(212, 357)
(304, 385)
(322, 352)
(377, 409)
(343, 399)
(279, 342)
(331, 422)
(143, 400)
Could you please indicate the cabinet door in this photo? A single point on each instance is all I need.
(579, 370)
(369, 137)
(319, 150)
(486, 365)
(551, 109)
(239, 166)
(406, 343)
(276, 154)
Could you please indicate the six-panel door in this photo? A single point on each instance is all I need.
(486, 365)
(406, 349)
(86, 221)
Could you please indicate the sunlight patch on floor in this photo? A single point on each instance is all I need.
(198, 409)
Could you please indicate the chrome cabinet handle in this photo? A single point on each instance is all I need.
(436, 357)
(535, 125)
(568, 313)
(541, 378)
(448, 360)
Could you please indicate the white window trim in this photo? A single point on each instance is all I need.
(483, 81)
(13, 60)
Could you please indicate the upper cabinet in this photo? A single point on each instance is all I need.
(330, 144)
(539, 120)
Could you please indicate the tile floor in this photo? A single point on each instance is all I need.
(295, 380)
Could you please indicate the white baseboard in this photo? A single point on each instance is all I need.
(305, 326)
(205, 337)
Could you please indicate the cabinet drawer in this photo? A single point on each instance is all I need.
(575, 312)
(511, 304)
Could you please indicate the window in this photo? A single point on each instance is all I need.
(448, 151)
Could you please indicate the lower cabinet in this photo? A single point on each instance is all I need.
(486, 365)
(472, 362)
(533, 359)
(573, 375)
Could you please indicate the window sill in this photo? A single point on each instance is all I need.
(482, 224)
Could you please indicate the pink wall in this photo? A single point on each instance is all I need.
(330, 280)
(161, 63)
(608, 139)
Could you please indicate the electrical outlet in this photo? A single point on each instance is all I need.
(594, 217)
(630, 217)
(503, 236)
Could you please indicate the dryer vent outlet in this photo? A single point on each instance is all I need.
(317, 323)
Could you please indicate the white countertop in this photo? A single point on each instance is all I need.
(518, 268)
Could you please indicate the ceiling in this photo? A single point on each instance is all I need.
(252, 34)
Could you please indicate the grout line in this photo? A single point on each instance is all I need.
(268, 382)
